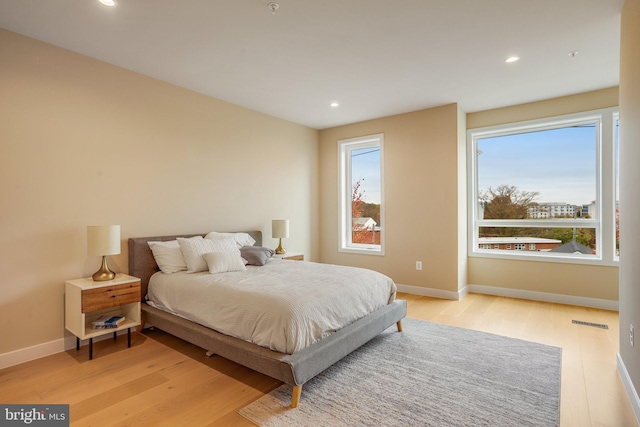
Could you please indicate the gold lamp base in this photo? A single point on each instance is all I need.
(280, 250)
(103, 274)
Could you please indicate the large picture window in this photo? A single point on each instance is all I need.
(544, 189)
(361, 195)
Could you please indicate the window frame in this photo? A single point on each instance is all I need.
(616, 177)
(345, 183)
(604, 224)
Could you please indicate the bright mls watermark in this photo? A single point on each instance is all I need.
(36, 415)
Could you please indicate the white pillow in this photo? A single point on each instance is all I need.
(221, 262)
(243, 239)
(168, 256)
(194, 247)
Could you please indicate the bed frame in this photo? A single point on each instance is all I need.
(293, 369)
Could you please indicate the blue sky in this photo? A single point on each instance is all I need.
(560, 164)
(365, 163)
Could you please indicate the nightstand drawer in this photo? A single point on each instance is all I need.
(110, 296)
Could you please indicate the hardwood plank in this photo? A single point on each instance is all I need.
(113, 396)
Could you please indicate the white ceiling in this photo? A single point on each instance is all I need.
(376, 58)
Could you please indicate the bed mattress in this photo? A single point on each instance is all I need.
(284, 305)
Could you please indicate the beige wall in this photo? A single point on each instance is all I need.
(630, 192)
(604, 98)
(83, 142)
(421, 151)
(589, 281)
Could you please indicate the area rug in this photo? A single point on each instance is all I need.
(428, 375)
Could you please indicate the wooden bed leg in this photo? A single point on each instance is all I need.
(210, 353)
(140, 327)
(295, 395)
(399, 324)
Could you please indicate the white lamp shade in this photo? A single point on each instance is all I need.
(280, 228)
(103, 240)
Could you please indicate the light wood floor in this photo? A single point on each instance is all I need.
(163, 381)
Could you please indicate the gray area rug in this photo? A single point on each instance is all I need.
(428, 375)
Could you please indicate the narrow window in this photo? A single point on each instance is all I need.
(361, 195)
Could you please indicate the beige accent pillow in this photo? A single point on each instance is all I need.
(221, 262)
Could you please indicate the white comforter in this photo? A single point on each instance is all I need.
(283, 305)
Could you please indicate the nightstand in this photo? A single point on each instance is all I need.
(86, 300)
(295, 256)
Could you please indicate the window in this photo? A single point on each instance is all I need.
(361, 224)
(552, 182)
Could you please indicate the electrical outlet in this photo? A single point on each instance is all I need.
(418, 265)
(631, 335)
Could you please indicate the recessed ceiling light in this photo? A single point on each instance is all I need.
(511, 59)
(573, 54)
(335, 104)
(110, 3)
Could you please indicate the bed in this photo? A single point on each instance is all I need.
(294, 369)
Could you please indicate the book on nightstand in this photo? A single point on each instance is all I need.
(106, 322)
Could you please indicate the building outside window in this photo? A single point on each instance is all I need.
(361, 181)
(550, 179)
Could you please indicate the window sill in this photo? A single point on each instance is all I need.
(543, 257)
(363, 251)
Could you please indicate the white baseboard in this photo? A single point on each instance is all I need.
(45, 349)
(513, 293)
(628, 385)
(544, 296)
(430, 292)
(31, 353)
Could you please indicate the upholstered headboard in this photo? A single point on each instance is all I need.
(141, 261)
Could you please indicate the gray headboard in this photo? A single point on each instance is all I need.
(141, 261)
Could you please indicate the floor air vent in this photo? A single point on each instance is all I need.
(595, 325)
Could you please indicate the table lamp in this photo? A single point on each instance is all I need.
(280, 230)
(103, 240)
